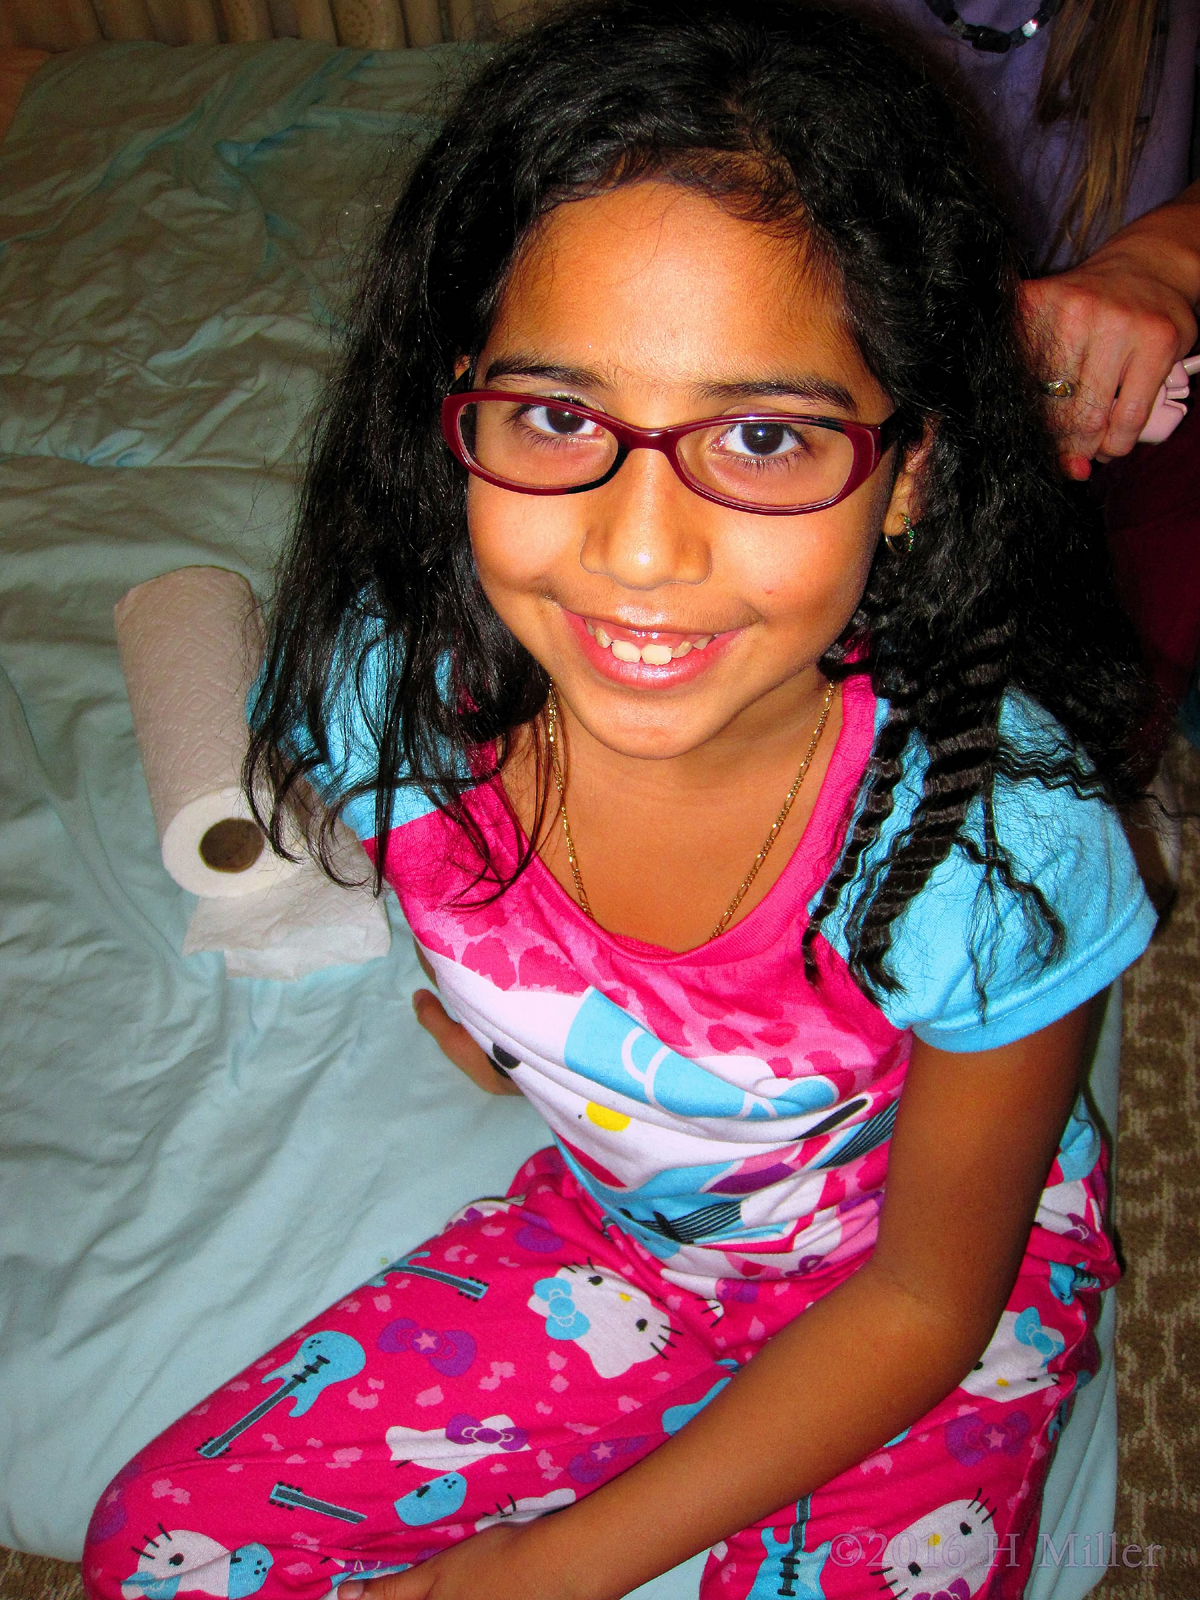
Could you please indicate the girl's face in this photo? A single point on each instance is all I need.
(654, 305)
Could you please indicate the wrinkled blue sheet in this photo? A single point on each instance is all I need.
(190, 1166)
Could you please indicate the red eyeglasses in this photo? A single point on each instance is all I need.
(772, 463)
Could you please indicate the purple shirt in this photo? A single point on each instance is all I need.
(1042, 162)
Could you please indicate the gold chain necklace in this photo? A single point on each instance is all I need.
(776, 827)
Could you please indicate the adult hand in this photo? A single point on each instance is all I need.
(455, 1043)
(1114, 327)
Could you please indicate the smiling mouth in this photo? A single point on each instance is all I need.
(653, 647)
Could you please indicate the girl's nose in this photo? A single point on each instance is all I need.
(645, 528)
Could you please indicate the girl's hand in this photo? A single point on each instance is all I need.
(1114, 327)
(494, 1565)
(455, 1043)
(974, 1139)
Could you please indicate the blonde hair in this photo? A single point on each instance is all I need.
(1099, 73)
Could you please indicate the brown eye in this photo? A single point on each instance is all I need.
(762, 438)
(759, 440)
(563, 421)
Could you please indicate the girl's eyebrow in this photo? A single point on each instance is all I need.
(805, 388)
(520, 366)
(809, 387)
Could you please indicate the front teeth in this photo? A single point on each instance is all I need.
(655, 655)
(650, 655)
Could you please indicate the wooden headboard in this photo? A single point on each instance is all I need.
(364, 24)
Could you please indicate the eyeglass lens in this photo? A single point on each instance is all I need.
(764, 462)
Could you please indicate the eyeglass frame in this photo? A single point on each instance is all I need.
(870, 442)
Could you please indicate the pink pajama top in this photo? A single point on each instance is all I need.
(727, 1113)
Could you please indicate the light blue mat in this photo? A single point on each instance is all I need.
(190, 1166)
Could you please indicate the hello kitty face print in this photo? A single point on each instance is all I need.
(528, 1508)
(1016, 1360)
(464, 1439)
(614, 1323)
(948, 1552)
(180, 1562)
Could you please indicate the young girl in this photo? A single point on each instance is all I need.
(685, 604)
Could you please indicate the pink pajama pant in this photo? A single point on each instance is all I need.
(521, 1359)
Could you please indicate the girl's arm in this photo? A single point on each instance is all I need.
(974, 1140)
(455, 1043)
(1119, 322)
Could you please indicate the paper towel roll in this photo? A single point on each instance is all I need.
(190, 645)
(300, 924)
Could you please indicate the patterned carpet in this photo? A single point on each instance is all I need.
(1158, 1223)
(1158, 1220)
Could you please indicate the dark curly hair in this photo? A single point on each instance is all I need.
(797, 115)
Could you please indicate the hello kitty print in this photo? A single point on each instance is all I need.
(721, 1136)
(525, 1356)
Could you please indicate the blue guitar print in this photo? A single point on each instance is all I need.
(287, 1494)
(789, 1569)
(472, 1288)
(323, 1359)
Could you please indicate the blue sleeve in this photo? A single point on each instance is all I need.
(354, 713)
(353, 722)
(1073, 850)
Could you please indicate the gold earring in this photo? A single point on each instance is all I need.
(900, 544)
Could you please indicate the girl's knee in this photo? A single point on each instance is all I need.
(109, 1557)
(144, 1540)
